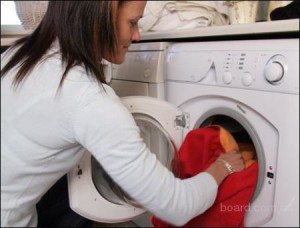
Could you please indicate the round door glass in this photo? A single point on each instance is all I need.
(157, 140)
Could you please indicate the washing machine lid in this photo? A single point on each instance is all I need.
(85, 196)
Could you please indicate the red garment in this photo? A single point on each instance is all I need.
(201, 148)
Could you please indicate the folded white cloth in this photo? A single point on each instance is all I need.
(169, 15)
(31, 13)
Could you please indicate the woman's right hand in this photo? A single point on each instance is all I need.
(225, 165)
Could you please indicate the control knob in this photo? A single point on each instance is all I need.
(247, 79)
(275, 69)
(227, 77)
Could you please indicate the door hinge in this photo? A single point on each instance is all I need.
(183, 120)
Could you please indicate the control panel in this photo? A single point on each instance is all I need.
(262, 65)
(267, 71)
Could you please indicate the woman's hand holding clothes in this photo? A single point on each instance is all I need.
(225, 165)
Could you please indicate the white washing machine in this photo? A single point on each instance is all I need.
(250, 87)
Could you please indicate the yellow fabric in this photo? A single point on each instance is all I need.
(229, 144)
(227, 141)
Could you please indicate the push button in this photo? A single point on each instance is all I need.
(247, 79)
(270, 175)
(227, 77)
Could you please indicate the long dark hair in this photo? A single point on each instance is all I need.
(84, 29)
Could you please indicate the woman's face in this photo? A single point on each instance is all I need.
(128, 15)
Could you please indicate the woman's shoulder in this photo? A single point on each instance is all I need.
(97, 92)
(83, 88)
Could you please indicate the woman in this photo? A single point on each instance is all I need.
(55, 105)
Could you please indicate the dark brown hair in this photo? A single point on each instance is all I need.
(84, 29)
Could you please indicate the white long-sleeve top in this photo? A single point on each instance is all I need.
(44, 134)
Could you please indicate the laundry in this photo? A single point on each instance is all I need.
(170, 15)
(248, 153)
(202, 147)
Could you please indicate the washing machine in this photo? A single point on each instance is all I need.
(251, 88)
(140, 82)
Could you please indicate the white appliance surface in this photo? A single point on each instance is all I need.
(256, 84)
(249, 86)
(143, 71)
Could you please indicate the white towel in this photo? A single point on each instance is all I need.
(170, 15)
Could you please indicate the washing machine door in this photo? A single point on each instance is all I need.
(93, 194)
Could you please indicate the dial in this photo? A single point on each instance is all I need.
(274, 72)
(275, 69)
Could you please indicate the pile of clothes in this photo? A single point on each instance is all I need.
(201, 147)
(170, 15)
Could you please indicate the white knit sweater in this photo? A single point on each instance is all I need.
(45, 133)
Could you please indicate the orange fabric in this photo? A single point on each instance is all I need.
(200, 148)
(227, 141)
(248, 153)
(229, 144)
